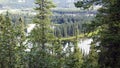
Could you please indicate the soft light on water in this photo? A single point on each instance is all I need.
(84, 45)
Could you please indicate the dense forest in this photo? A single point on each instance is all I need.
(54, 41)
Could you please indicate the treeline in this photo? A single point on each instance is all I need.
(73, 11)
(38, 49)
(65, 24)
(71, 18)
(27, 18)
(67, 29)
(17, 50)
(42, 47)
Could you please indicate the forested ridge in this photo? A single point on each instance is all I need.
(54, 40)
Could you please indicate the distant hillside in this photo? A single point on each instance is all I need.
(17, 3)
(30, 3)
(65, 3)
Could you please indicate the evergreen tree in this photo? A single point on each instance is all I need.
(42, 35)
(21, 41)
(107, 23)
(58, 53)
(3, 54)
(11, 43)
(8, 42)
(75, 59)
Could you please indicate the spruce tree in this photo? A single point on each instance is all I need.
(11, 43)
(8, 42)
(2, 42)
(107, 23)
(75, 59)
(21, 41)
(58, 53)
(42, 34)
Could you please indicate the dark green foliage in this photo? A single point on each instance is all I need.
(79, 4)
(67, 29)
(42, 36)
(71, 18)
(107, 22)
(64, 24)
(41, 49)
(75, 58)
(11, 43)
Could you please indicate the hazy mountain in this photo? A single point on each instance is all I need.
(65, 3)
(30, 3)
(17, 3)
